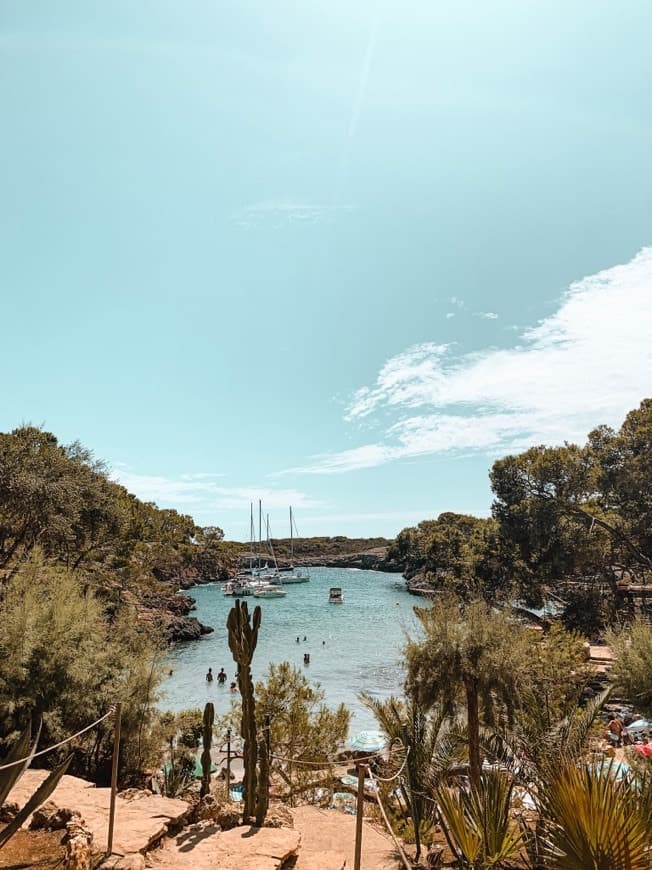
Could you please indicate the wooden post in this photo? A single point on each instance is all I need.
(114, 773)
(228, 763)
(359, 810)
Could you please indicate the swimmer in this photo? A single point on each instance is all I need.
(233, 687)
(209, 675)
(306, 658)
(221, 677)
(305, 638)
(323, 643)
(297, 640)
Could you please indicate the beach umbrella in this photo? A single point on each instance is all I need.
(369, 741)
(618, 769)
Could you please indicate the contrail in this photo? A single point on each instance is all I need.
(364, 80)
(356, 109)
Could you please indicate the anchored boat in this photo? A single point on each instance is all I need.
(335, 595)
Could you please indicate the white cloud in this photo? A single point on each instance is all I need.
(588, 363)
(486, 315)
(199, 495)
(450, 315)
(282, 212)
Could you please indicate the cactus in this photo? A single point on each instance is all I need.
(207, 742)
(10, 776)
(243, 637)
(262, 796)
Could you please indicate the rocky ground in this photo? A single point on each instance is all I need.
(157, 832)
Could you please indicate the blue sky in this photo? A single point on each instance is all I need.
(335, 254)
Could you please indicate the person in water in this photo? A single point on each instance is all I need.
(209, 675)
(305, 638)
(233, 687)
(297, 639)
(306, 658)
(221, 677)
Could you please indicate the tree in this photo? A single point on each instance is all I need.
(60, 662)
(553, 673)
(53, 496)
(302, 727)
(470, 652)
(456, 552)
(632, 667)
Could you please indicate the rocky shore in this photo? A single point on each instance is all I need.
(168, 612)
(374, 559)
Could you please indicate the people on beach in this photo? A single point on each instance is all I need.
(209, 675)
(615, 729)
(221, 677)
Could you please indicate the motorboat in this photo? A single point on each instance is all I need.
(335, 595)
(269, 590)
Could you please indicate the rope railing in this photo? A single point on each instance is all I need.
(386, 820)
(396, 775)
(330, 762)
(60, 743)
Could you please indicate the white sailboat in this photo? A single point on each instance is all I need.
(292, 574)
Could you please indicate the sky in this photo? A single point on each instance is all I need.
(336, 254)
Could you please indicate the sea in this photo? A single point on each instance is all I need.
(353, 647)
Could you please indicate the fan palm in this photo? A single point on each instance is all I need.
(479, 824)
(593, 821)
(419, 732)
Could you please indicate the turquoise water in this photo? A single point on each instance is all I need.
(364, 637)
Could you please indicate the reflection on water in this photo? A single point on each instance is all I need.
(353, 647)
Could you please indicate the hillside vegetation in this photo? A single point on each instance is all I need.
(572, 521)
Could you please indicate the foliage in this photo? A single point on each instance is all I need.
(592, 821)
(456, 552)
(60, 662)
(319, 547)
(478, 822)
(178, 772)
(553, 673)
(302, 727)
(419, 731)
(588, 610)
(579, 512)
(470, 652)
(243, 638)
(12, 772)
(632, 667)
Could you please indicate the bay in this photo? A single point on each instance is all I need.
(353, 647)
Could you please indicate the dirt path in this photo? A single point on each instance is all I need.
(328, 837)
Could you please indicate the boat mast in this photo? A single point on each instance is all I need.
(291, 541)
(260, 530)
(271, 545)
(251, 537)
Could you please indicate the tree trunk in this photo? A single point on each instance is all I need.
(473, 721)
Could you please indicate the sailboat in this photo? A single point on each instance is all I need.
(292, 574)
(250, 580)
